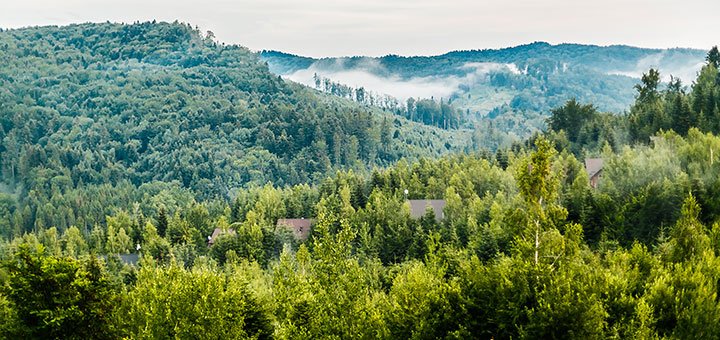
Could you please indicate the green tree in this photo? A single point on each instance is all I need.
(430, 315)
(171, 302)
(538, 188)
(97, 240)
(713, 57)
(162, 222)
(60, 298)
(688, 238)
(571, 117)
(647, 116)
(74, 242)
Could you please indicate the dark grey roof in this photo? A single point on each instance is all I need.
(417, 208)
(593, 166)
(131, 259)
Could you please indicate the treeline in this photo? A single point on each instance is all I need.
(441, 114)
(517, 87)
(526, 249)
(425, 110)
(359, 95)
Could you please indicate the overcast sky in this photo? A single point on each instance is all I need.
(406, 27)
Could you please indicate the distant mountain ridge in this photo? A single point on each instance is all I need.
(515, 84)
(601, 58)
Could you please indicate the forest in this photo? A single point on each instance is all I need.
(96, 116)
(97, 245)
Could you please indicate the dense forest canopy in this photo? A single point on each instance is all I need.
(94, 115)
(121, 144)
(526, 249)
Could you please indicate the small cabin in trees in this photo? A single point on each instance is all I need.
(594, 167)
(299, 226)
(217, 232)
(418, 208)
(129, 259)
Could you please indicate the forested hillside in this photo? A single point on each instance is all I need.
(94, 116)
(130, 205)
(583, 129)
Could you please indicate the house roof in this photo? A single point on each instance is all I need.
(300, 226)
(217, 232)
(417, 208)
(593, 166)
(131, 259)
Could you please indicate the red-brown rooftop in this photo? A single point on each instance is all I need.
(217, 232)
(594, 167)
(299, 226)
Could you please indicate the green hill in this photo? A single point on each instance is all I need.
(95, 105)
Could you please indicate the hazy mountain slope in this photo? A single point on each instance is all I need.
(523, 80)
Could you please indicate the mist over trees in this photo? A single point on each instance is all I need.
(658, 107)
(512, 88)
(427, 111)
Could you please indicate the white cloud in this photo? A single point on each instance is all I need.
(685, 69)
(393, 85)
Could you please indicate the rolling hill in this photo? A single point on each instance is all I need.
(152, 107)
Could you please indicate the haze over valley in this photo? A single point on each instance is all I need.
(480, 81)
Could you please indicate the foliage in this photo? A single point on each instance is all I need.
(95, 117)
(514, 88)
(524, 248)
(59, 297)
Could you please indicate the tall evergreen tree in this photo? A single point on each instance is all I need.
(713, 57)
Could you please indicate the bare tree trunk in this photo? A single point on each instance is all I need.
(537, 234)
(537, 241)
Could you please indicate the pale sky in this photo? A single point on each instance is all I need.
(406, 27)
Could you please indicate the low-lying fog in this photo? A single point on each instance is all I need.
(683, 68)
(372, 77)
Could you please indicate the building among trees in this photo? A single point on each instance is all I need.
(299, 226)
(594, 167)
(419, 207)
(217, 232)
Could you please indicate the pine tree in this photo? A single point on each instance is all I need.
(713, 57)
(162, 222)
(688, 238)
